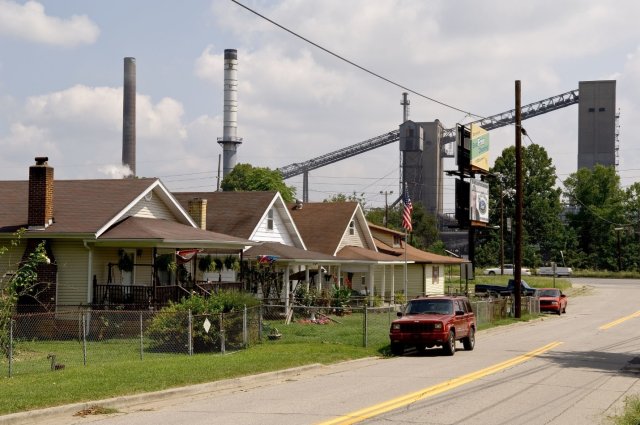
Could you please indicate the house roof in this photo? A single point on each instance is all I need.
(153, 231)
(323, 224)
(357, 254)
(79, 206)
(289, 253)
(416, 255)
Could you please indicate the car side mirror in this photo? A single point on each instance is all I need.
(459, 313)
(563, 296)
(399, 314)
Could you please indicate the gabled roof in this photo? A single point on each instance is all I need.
(323, 224)
(289, 253)
(241, 213)
(416, 255)
(359, 254)
(140, 230)
(79, 206)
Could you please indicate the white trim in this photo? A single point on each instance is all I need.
(172, 204)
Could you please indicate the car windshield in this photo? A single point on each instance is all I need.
(549, 292)
(430, 307)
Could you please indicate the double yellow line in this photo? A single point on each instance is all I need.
(617, 322)
(378, 409)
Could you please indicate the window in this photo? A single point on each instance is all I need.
(352, 228)
(396, 240)
(601, 109)
(270, 219)
(592, 109)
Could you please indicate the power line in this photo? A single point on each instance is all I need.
(350, 62)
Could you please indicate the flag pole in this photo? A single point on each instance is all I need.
(406, 293)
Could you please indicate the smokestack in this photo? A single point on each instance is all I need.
(230, 140)
(129, 116)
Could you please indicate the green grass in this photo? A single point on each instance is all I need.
(631, 414)
(124, 377)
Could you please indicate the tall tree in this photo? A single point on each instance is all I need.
(545, 235)
(598, 203)
(246, 178)
(425, 230)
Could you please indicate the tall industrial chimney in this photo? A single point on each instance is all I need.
(129, 116)
(229, 140)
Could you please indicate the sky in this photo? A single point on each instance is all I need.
(61, 78)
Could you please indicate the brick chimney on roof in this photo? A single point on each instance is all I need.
(198, 211)
(40, 194)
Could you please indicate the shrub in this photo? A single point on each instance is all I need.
(170, 325)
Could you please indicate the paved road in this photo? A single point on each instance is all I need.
(574, 369)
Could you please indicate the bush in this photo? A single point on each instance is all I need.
(170, 325)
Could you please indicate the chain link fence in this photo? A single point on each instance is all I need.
(49, 341)
(44, 341)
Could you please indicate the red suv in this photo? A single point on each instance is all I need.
(427, 322)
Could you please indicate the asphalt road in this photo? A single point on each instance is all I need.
(571, 369)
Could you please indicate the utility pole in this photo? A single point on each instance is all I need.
(517, 272)
(501, 228)
(386, 206)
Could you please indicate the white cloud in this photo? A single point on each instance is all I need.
(29, 22)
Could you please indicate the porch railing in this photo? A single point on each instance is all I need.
(142, 296)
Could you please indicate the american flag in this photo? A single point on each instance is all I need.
(406, 213)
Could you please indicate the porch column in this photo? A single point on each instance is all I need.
(393, 284)
(371, 285)
(306, 278)
(384, 281)
(287, 290)
(320, 277)
(339, 274)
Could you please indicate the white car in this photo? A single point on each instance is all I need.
(507, 269)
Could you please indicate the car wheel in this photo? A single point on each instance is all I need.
(470, 341)
(397, 349)
(449, 346)
(564, 309)
(492, 273)
(559, 311)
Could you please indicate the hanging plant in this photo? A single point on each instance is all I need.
(218, 262)
(165, 262)
(206, 264)
(231, 262)
(125, 262)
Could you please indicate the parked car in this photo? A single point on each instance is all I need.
(560, 271)
(552, 299)
(434, 321)
(525, 289)
(507, 269)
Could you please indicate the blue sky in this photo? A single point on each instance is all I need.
(61, 73)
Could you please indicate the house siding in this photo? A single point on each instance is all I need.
(11, 258)
(357, 239)
(72, 259)
(419, 280)
(152, 208)
(279, 233)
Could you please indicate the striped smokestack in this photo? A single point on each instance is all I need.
(230, 140)
(129, 116)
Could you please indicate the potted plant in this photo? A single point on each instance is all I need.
(274, 334)
(231, 262)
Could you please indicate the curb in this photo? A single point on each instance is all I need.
(31, 416)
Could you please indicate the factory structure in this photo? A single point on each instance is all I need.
(423, 145)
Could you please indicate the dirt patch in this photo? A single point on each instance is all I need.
(95, 410)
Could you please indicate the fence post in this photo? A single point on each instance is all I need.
(364, 327)
(10, 348)
(84, 338)
(245, 336)
(141, 338)
(260, 324)
(223, 348)
(190, 335)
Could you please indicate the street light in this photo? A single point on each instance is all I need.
(386, 206)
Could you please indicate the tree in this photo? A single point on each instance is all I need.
(246, 178)
(599, 205)
(544, 233)
(22, 282)
(341, 197)
(425, 230)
